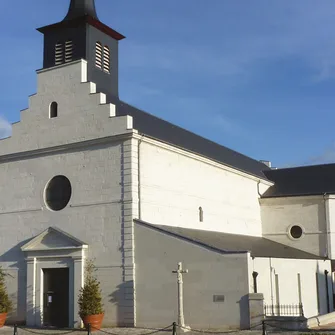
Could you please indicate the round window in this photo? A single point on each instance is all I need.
(296, 232)
(58, 193)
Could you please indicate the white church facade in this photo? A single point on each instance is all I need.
(87, 176)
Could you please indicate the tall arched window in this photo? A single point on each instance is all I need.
(98, 55)
(106, 59)
(53, 110)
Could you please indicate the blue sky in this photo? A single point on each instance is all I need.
(256, 76)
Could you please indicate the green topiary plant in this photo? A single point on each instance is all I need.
(5, 303)
(90, 299)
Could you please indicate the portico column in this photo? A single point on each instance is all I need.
(78, 274)
(31, 291)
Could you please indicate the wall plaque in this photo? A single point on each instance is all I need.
(218, 298)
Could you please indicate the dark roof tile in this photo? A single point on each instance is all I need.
(231, 243)
(300, 181)
(167, 132)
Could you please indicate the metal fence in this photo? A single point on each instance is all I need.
(284, 310)
(173, 329)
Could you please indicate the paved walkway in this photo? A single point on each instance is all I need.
(326, 326)
(117, 331)
(141, 331)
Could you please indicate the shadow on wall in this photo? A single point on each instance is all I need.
(119, 299)
(18, 290)
(325, 294)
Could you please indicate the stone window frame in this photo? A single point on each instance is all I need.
(290, 234)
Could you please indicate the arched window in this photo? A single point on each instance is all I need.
(68, 51)
(53, 110)
(201, 214)
(59, 54)
(98, 55)
(106, 58)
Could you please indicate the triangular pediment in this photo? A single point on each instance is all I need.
(54, 239)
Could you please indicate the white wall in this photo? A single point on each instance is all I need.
(174, 184)
(287, 271)
(93, 215)
(79, 144)
(279, 214)
(83, 114)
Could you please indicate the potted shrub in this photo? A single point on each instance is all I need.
(5, 302)
(90, 300)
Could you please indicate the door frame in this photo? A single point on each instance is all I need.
(35, 266)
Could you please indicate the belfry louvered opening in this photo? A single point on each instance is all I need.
(68, 51)
(102, 57)
(106, 58)
(64, 52)
(59, 54)
(98, 55)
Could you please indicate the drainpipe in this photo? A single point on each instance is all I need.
(259, 193)
(254, 275)
(327, 293)
(271, 286)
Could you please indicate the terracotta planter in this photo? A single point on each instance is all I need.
(94, 320)
(3, 317)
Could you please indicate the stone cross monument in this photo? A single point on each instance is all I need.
(180, 272)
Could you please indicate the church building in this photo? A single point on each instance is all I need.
(88, 176)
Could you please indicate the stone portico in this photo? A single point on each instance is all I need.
(53, 249)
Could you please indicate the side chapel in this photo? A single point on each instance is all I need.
(88, 176)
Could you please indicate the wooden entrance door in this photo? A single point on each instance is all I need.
(56, 298)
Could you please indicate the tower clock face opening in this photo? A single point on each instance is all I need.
(58, 193)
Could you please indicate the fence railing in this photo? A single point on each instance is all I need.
(173, 329)
(284, 310)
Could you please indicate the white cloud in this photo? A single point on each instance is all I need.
(326, 157)
(5, 128)
(264, 31)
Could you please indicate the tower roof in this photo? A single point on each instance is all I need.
(82, 11)
(79, 8)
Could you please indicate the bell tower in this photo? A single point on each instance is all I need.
(81, 35)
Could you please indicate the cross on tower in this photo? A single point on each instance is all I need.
(180, 272)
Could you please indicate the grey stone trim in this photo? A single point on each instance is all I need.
(21, 211)
(63, 148)
(129, 177)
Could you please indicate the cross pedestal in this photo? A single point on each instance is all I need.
(181, 320)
